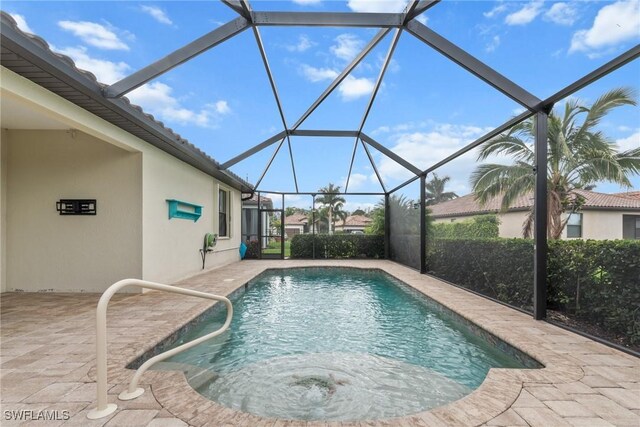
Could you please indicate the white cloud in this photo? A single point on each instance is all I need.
(94, 34)
(307, 2)
(424, 149)
(493, 44)
(106, 72)
(423, 19)
(497, 10)
(222, 107)
(630, 142)
(157, 99)
(315, 75)
(157, 14)
(347, 46)
(353, 88)
(526, 14)
(614, 24)
(380, 130)
(303, 44)
(562, 14)
(22, 23)
(379, 6)
(356, 181)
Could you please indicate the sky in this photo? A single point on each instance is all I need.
(427, 106)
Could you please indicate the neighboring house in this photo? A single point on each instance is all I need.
(297, 223)
(63, 139)
(603, 216)
(250, 219)
(353, 224)
(630, 195)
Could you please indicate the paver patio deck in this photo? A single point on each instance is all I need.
(47, 361)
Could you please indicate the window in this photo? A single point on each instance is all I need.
(223, 213)
(631, 227)
(574, 225)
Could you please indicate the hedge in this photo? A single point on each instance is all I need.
(593, 282)
(479, 227)
(597, 281)
(337, 246)
(499, 268)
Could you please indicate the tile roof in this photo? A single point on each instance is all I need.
(630, 195)
(296, 219)
(254, 200)
(355, 221)
(468, 205)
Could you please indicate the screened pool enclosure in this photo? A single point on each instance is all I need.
(523, 273)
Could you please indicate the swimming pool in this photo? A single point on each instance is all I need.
(338, 344)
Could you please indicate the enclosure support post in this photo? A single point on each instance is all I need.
(282, 237)
(387, 227)
(423, 224)
(259, 226)
(313, 225)
(540, 219)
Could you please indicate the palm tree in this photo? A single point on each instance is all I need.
(579, 157)
(435, 190)
(377, 219)
(321, 219)
(333, 201)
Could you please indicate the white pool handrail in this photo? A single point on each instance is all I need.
(104, 408)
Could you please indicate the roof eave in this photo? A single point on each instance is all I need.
(36, 51)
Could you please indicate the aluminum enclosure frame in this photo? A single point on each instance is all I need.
(387, 22)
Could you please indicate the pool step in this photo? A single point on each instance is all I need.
(196, 376)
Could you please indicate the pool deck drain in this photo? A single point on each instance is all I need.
(47, 361)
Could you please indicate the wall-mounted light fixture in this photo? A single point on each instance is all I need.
(77, 206)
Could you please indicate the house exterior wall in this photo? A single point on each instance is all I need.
(510, 223)
(350, 228)
(292, 230)
(167, 250)
(48, 251)
(602, 224)
(171, 246)
(3, 210)
(596, 224)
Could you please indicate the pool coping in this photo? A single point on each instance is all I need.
(495, 395)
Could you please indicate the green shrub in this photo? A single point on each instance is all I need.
(253, 249)
(479, 227)
(598, 282)
(499, 268)
(594, 282)
(337, 246)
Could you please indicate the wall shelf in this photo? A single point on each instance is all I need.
(184, 210)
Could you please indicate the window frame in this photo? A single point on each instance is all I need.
(227, 212)
(579, 226)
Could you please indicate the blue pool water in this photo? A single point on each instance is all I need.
(337, 344)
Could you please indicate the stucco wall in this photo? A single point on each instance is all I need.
(510, 223)
(598, 225)
(171, 246)
(603, 224)
(169, 249)
(3, 211)
(48, 251)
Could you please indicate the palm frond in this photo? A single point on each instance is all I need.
(493, 180)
